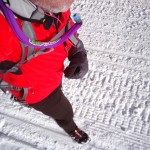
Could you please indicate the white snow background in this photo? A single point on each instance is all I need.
(112, 102)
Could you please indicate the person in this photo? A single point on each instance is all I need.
(37, 79)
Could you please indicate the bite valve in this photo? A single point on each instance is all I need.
(77, 18)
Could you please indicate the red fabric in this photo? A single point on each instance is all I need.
(42, 74)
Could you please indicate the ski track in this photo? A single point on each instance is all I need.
(18, 144)
(112, 102)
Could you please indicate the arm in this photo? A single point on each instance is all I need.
(78, 65)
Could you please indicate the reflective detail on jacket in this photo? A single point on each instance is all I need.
(42, 74)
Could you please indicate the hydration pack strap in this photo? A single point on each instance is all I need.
(28, 31)
(72, 38)
(4, 86)
(27, 41)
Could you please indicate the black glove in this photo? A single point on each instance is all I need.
(78, 66)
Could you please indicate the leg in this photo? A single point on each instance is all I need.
(59, 108)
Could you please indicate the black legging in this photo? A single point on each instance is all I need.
(57, 106)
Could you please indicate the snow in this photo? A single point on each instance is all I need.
(112, 102)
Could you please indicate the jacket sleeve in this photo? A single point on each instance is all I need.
(78, 65)
(77, 44)
(76, 49)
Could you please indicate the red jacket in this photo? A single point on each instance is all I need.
(42, 74)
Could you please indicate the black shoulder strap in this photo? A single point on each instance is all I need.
(46, 21)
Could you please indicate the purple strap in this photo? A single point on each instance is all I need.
(24, 39)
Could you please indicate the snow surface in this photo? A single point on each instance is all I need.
(112, 102)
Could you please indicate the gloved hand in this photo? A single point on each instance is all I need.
(78, 66)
